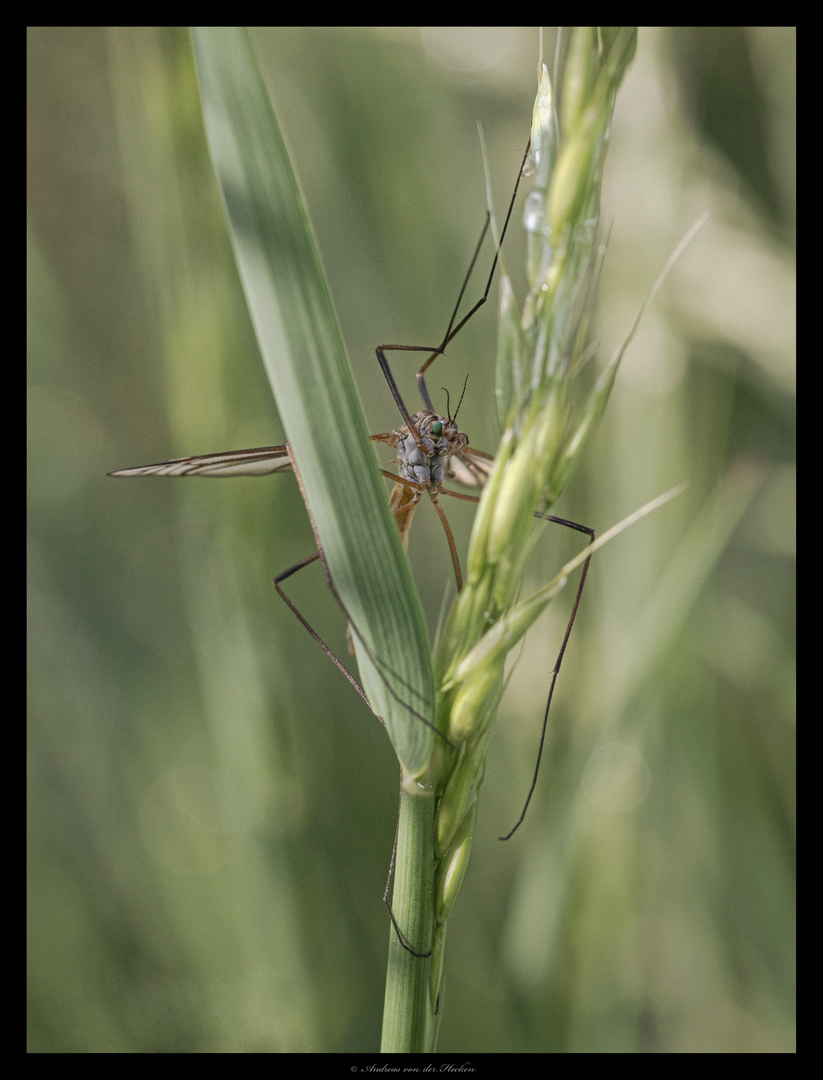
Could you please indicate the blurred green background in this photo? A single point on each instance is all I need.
(211, 808)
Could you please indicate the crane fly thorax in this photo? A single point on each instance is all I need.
(425, 462)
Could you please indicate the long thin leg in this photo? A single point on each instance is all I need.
(452, 333)
(414, 490)
(400, 938)
(459, 577)
(452, 330)
(319, 555)
(384, 367)
(554, 673)
(556, 669)
(296, 611)
(558, 662)
(378, 665)
(452, 547)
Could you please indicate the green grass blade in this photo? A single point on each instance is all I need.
(306, 362)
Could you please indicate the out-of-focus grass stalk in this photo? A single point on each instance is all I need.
(539, 354)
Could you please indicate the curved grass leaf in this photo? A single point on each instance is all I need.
(305, 358)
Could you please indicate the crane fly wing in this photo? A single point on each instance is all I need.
(470, 467)
(257, 462)
(387, 437)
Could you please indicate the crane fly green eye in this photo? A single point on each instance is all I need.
(437, 429)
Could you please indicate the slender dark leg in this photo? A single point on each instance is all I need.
(558, 662)
(378, 665)
(319, 555)
(452, 330)
(295, 610)
(556, 669)
(408, 948)
(554, 673)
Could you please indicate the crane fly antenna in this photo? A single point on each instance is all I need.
(460, 402)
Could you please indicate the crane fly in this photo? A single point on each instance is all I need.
(430, 452)
(430, 449)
